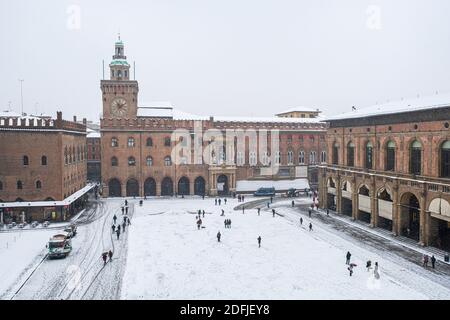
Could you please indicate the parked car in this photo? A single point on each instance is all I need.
(265, 192)
(292, 192)
(71, 231)
(34, 224)
(46, 224)
(21, 225)
(13, 224)
(10, 226)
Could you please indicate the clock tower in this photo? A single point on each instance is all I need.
(119, 93)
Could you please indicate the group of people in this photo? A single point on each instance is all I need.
(218, 201)
(126, 221)
(351, 266)
(241, 198)
(426, 259)
(105, 256)
(227, 223)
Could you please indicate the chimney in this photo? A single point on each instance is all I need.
(59, 115)
(84, 121)
(211, 118)
(74, 118)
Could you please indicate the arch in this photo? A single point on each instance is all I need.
(335, 153)
(49, 199)
(167, 187)
(19, 200)
(115, 188)
(19, 185)
(410, 216)
(331, 183)
(149, 161)
(149, 142)
(131, 161)
(364, 190)
(38, 184)
(347, 186)
(199, 186)
(131, 142)
(167, 161)
(222, 185)
(439, 206)
(114, 162)
(167, 142)
(150, 187)
(444, 159)
(114, 142)
(132, 188)
(384, 193)
(183, 186)
(25, 160)
(44, 160)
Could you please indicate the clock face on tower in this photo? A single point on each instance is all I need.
(119, 107)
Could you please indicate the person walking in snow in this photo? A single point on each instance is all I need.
(199, 223)
(113, 228)
(273, 212)
(348, 257)
(243, 209)
(239, 198)
(126, 210)
(271, 199)
(310, 227)
(110, 254)
(376, 274)
(243, 198)
(309, 213)
(123, 227)
(118, 233)
(259, 211)
(104, 256)
(218, 236)
(123, 210)
(229, 223)
(225, 223)
(259, 242)
(301, 221)
(268, 205)
(220, 202)
(369, 265)
(126, 203)
(433, 261)
(199, 212)
(292, 203)
(328, 212)
(114, 218)
(203, 213)
(223, 213)
(350, 269)
(425, 260)
(118, 227)
(215, 202)
(225, 200)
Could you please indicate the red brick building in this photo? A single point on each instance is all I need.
(389, 166)
(140, 155)
(93, 153)
(42, 160)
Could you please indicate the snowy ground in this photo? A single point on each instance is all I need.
(168, 258)
(162, 255)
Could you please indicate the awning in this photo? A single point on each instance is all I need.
(67, 201)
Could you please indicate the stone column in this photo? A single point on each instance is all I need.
(373, 204)
(395, 209)
(355, 203)
(158, 188)
(423, 234)
(322, 189)
(338, 194)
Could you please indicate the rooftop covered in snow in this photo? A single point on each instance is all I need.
(419, 103)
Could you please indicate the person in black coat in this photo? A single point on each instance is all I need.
(433, 261)
(218, 236)
(348, 257)
(259, 242)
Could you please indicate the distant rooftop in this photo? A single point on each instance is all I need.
(165, 109)
(300, 109)
(401, 106)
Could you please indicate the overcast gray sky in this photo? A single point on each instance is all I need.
(225, 57)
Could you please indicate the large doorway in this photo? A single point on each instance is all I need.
(167, 187)
(150, 187)
(440, 224)
(385, 208)
(222, 185)
(347, 207)
(410, 216)
(199, 186)
(114, 188)
(183, 186)
(132, 188)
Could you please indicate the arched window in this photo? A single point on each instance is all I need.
(390, 156)
(38, 184)
(277, 157)
(19, 185)
(312, 157)
(351, 154)
(149, 142)
(445, 159)
(301, 157)
(130, 142)
(167, 141)
(114, 142)
(335, 156)
(415, 166)
(114, 162)
(369, 155)
(25, 161)
(323, 157)
(253, 159)
(149, 161)
(44, 160)
(167, 161)
(290, 157)
(131, 161)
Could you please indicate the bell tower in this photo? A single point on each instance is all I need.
(120, 94)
